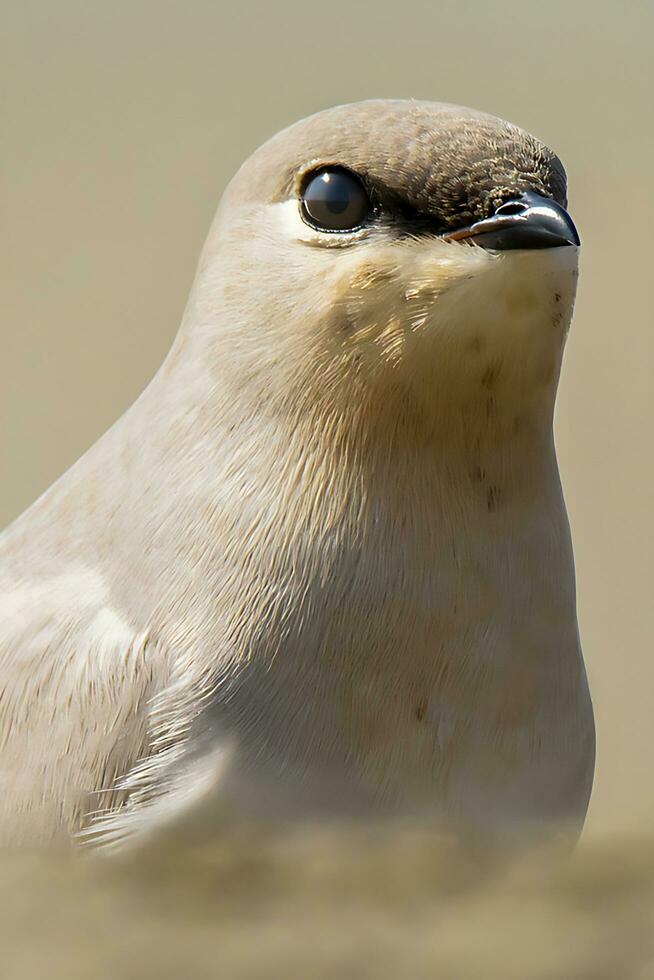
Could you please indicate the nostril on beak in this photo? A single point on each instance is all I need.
(512, 207)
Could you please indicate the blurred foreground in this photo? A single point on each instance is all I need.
(332, 904)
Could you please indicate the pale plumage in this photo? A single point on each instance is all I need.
(323, 564)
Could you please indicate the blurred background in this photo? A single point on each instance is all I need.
(122, 124)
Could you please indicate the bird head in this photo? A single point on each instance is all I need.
(397, 259)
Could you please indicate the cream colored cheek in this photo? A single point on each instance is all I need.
(393, 285)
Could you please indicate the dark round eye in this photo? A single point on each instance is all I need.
(335, 200)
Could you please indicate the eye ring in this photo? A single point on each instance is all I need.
(333, 199)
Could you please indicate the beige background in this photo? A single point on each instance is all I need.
(122, 123)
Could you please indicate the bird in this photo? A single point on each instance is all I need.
(322, 567)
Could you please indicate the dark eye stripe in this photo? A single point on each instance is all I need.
(334, 199)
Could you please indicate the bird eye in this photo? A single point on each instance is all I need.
(335, 200)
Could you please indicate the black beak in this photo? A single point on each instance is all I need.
(527, 221)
